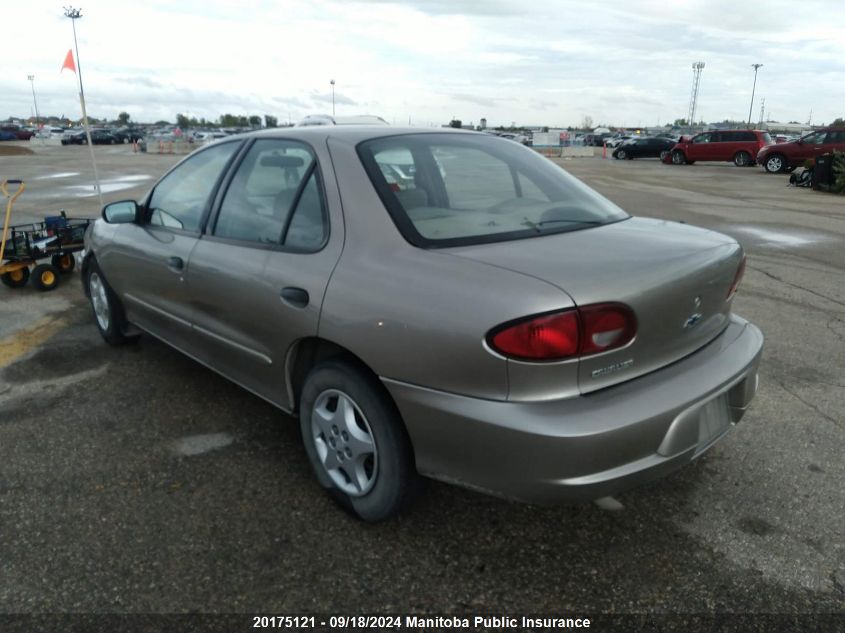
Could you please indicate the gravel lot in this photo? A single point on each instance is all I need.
(134, 480)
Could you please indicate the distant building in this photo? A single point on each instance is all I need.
(483, 124)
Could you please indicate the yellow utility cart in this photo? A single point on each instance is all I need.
(57, 238)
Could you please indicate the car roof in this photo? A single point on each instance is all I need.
(350, 133)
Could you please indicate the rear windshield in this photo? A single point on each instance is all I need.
(455, 189)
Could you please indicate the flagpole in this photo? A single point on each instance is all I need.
(74, 14)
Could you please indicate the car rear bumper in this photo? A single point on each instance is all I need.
(589, 446)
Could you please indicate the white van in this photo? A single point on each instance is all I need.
(326, 119)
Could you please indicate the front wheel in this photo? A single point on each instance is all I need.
(621, 154)
(16, 278)
(663, 155)
(742, 159)
(678, 157)
(45, 277)
(774, 163)
(108, 311)
(355, 440)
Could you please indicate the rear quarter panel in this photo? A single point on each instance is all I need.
(421, 316)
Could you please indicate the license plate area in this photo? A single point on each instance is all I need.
(714, 419)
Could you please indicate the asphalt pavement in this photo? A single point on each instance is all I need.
(133, 480)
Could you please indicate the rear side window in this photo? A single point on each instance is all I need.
(837, 137)
(453, 189)
(274, 198)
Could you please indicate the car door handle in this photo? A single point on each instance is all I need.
(297, 297)
(175, 263)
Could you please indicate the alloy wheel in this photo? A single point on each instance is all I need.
(100, 301)
(344, 442)
(774, 164)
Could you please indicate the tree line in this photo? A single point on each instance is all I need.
(225, 120)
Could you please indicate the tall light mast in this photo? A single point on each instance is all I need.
(697, 67)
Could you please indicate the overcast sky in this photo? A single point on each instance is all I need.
(532, 62)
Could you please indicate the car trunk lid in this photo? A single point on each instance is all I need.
(675, 277)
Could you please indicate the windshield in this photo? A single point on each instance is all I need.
(455, 189)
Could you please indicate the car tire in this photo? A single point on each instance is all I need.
(663, 155)
(65, 262)
(45, 277)
(356, 441)
(15, 278)
(678, 157)
(621, 154)
(109, 315)
(742, 159)
(774, 163)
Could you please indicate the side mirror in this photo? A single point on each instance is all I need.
(123, 212)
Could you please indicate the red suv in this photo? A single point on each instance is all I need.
(739, 146)
(788, 156)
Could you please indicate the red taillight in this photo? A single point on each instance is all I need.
(550, 337)
(606, 326)
(582, 331)
(740, 273)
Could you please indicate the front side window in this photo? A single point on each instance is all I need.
(274, 197)
(180, 199)
(703, 138)
(453, 189)
(816, 138)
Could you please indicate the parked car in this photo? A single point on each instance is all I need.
(98, 137)
(21, 134)
(649, 147)
(739, 146)
(126, 134)
(325, 119)
(486, 320)
(596, 140)
(6, 135)
(788, 156)
(616, 141)
(50, 132)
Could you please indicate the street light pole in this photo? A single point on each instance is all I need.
(32, 82)
(751, 107)
(74, 15)
(332, 83)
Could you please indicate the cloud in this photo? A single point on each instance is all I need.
(476, 99)
(508, 60)
(459, 7)
(338, 98)
(140, 81)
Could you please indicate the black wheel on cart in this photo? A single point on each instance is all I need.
(65, 262)
(16, 278)
(45, 277)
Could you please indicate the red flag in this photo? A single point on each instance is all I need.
(69, 62)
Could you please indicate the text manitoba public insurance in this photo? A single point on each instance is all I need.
(496, 622)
